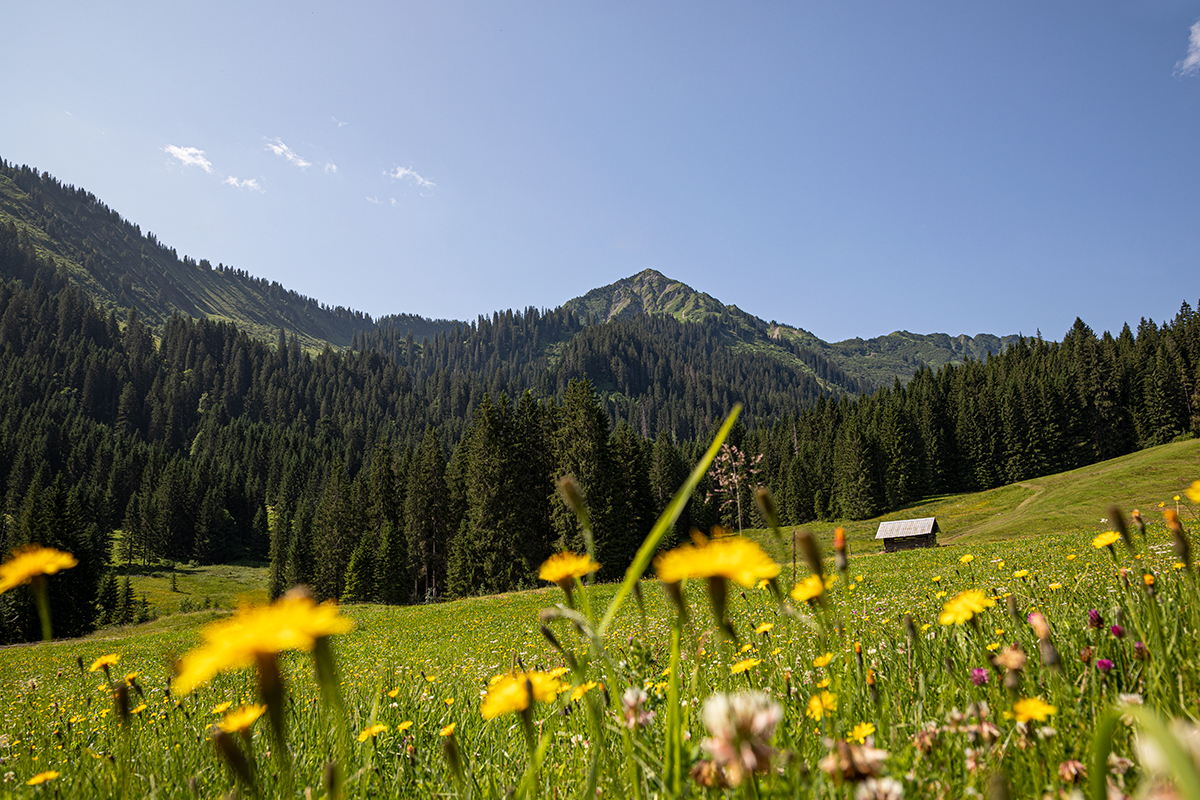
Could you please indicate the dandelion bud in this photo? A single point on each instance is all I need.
(571, 494)
(910, 627)
(1118, 521)
(1141, 652)
(839, 550)
(1139, 523)
(808, 546)
(1085, 655)
(1049, 654)
(1125, 577)
(329, 777)
(79, 662)
(121, 699)
(1013, 610)
(766, 506)
(1148, 583)
(1182, 548)
(1040, 627)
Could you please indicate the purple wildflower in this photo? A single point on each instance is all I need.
(979, 676)
(1104, 665)
(1117, 631)
(1095, 621)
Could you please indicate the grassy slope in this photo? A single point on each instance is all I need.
(1070, 501)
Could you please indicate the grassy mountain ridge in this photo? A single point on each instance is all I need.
(121, 267)
(876, 361)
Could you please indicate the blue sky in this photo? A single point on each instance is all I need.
(851, 168)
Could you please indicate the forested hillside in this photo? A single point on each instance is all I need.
(110, 259)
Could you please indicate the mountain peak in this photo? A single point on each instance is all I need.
(647, 292)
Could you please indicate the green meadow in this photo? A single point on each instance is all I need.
(867, 691)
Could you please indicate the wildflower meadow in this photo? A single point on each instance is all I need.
(1058, 665)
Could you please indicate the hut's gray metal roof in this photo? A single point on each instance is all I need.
(902, 528)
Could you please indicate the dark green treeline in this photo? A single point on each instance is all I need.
(371, 480)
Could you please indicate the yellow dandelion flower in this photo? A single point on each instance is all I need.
(41, 778)
(1054, 587)
(776, 651)
(936, 579)
(509, 692)
(764, 627)
(1071, 557)
(824, 683)
(1033, 709)
(446, 731)
(963, 606)
(1193, 492)
(967, 559)
(940, 594)
(820, 704)
(371, 731)
(139, 709)
(1105, 540)
(1021, 573)
(403, 726)
(745, 648)
(1178, 565)
(823, 660)
(392, 694)
(294, 622)
(860, 732)
(993, 646)
(1148, 579)
(104, 661)
(581, 690)
(241, 718)
(744, 665)
(221, 708)
(566, 566)
(1176, 498)
(739, 559)
(762, 583)
(808, 589)
(31, 561)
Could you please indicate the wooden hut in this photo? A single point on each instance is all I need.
(905, 534)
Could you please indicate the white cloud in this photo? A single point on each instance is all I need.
(339, 122)
(374, 200)
(330, 167)
(393, 200)
(280, 149)
(408, 172)
(249, 183)
(190, 156)
(1190, 65)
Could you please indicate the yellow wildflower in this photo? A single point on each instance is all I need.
(41, 778)
(1054, 586)
(963, 606)
(31, 561)
(447, 731)
(1032, 709)
(221, 708)
(1021, 573)
(1105, 540)
(967, 559)
(744, 665)
(508, 692)
(581, 690)
(373, 730)
(294, 622)
(739, 559)
(821, 703)
(104, 661)
(823, 660)
(394, 692)
(566, 566)
(860, 732)
(242, 718)
(808, 589)
(764, 627)
(403, 726)
(1193, 492)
